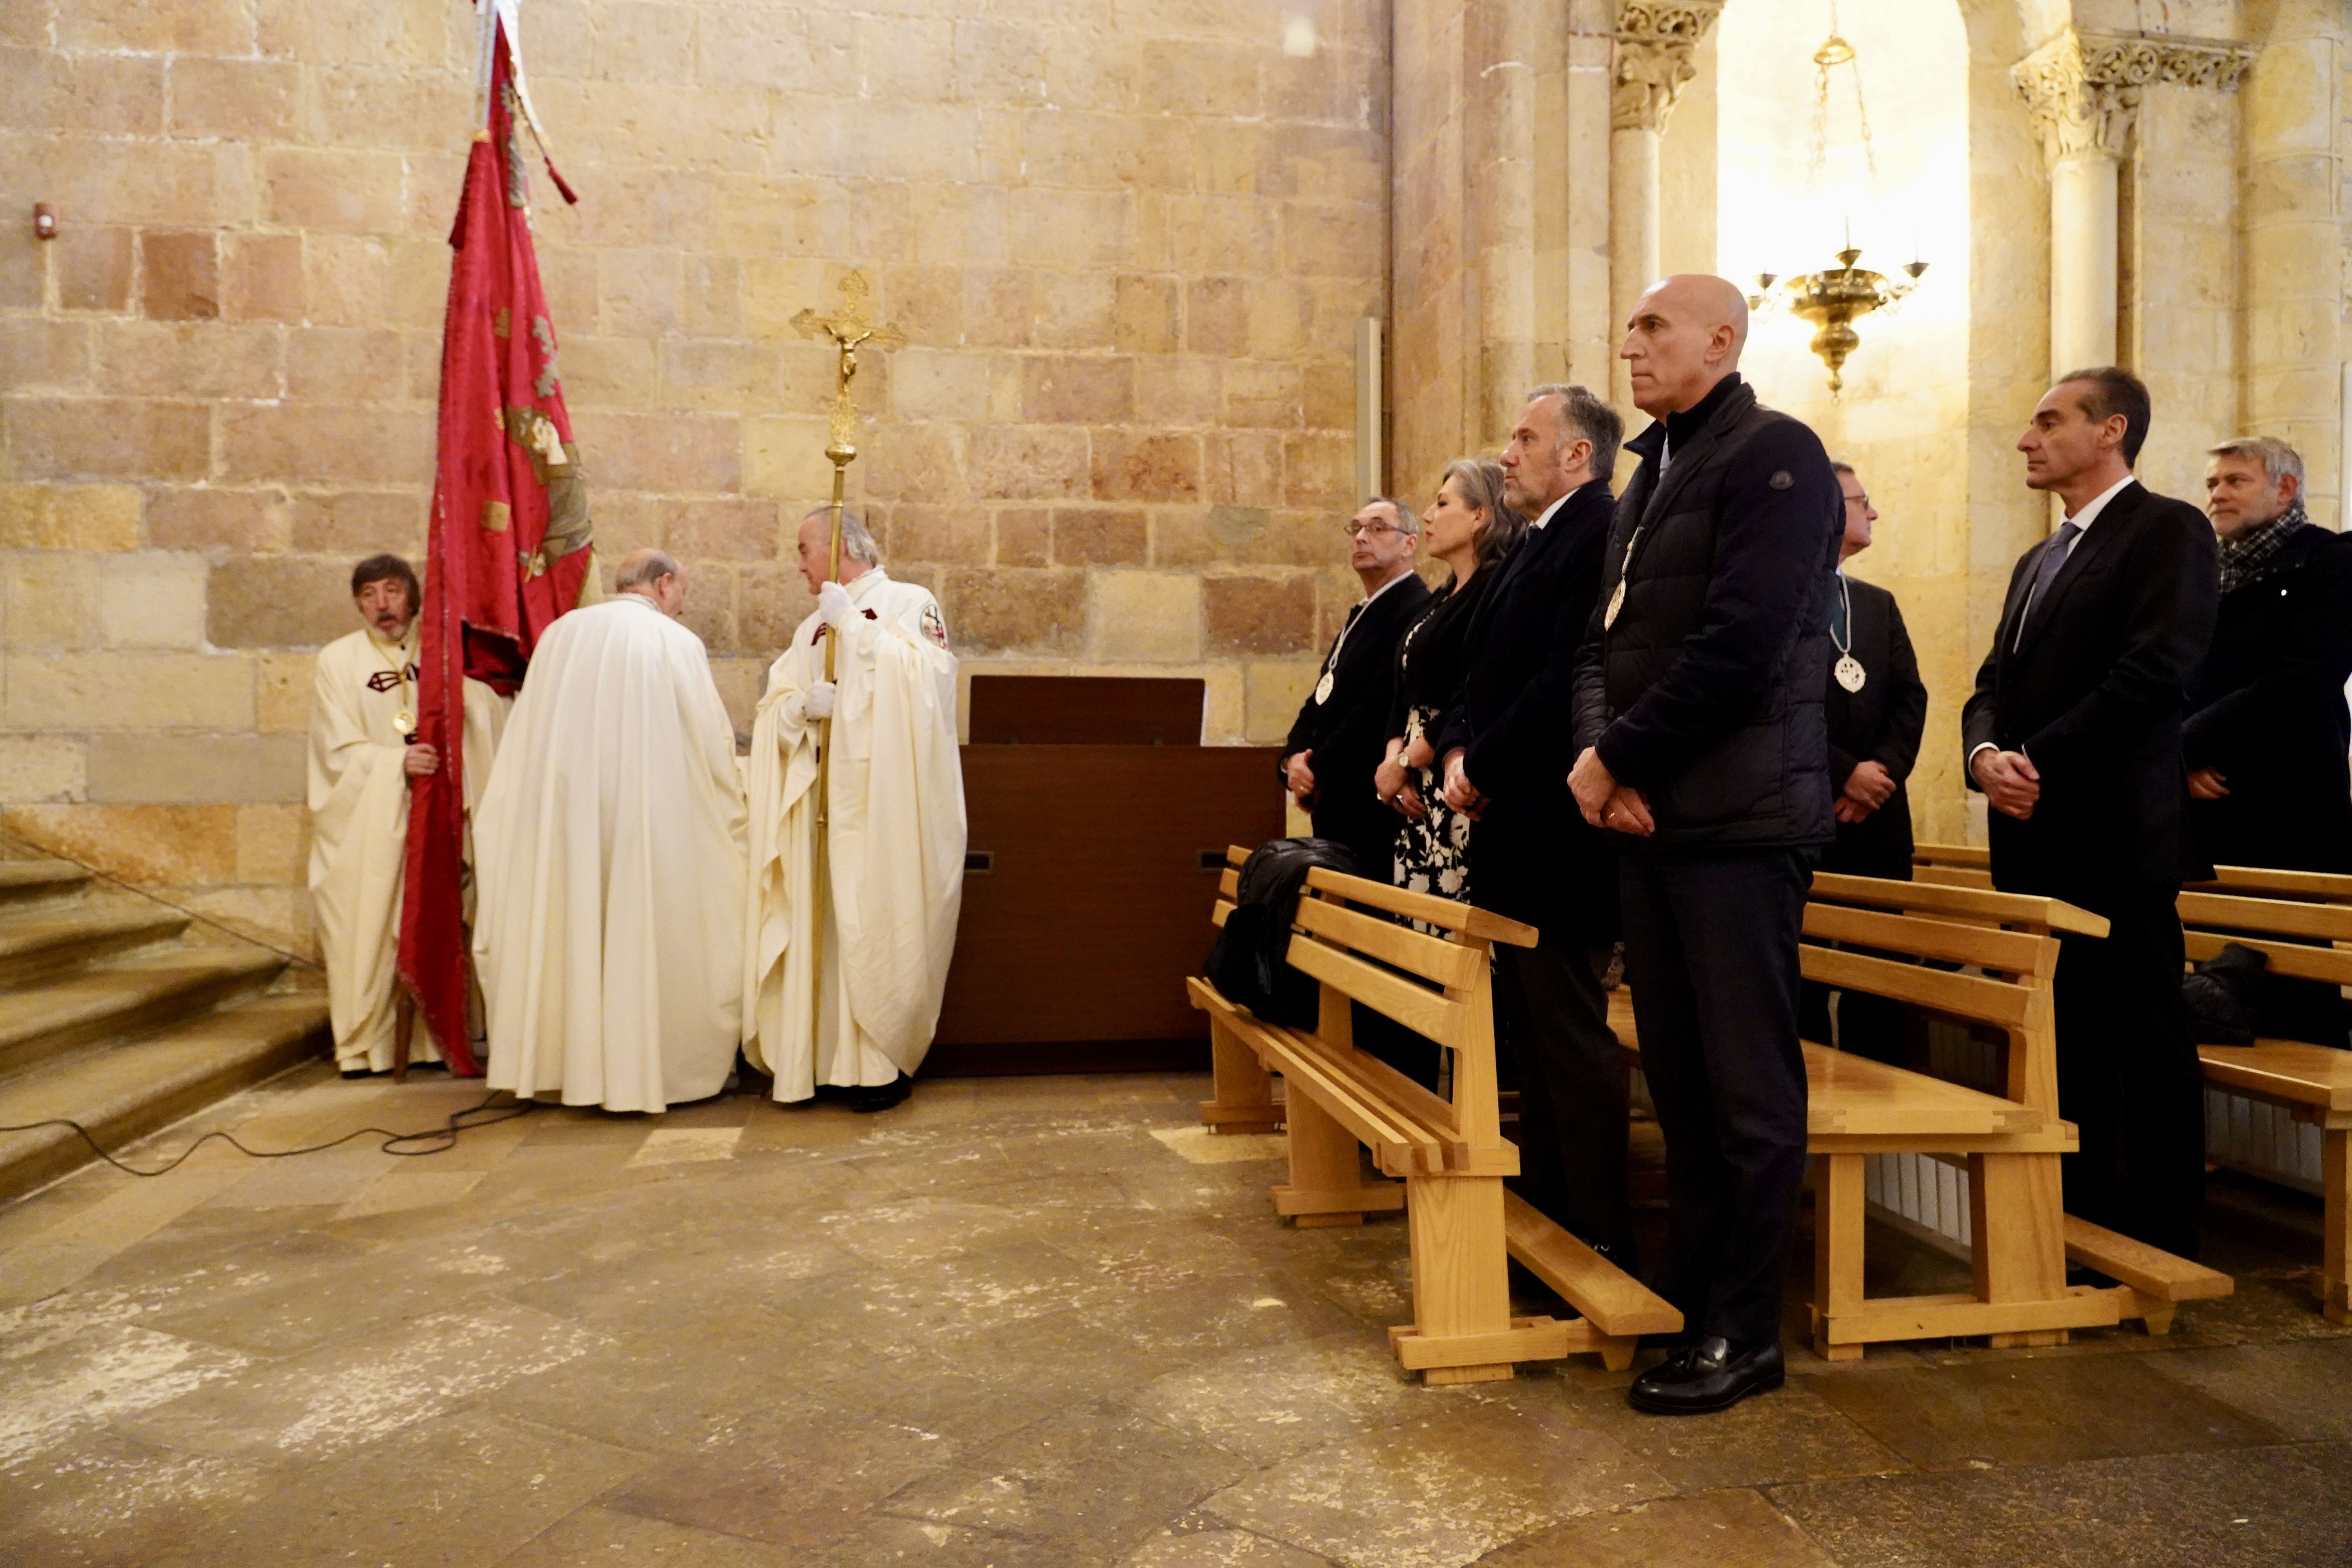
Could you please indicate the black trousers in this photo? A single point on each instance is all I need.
(1572, 1085)
(2128, 1076)
(1866, 1026)
(1369, 832)
(1711, 952)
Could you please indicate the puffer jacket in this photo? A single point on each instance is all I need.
(1705, 692)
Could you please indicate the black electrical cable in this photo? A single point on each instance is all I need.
(447, 1137)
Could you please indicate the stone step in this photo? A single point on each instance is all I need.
(126, 999)
(129, 1091)
(25, 883)
(41, 944)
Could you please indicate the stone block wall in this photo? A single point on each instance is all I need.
(1130, 241)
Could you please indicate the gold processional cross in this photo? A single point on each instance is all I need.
(851, 328)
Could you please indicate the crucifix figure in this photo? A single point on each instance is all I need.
(850, 328)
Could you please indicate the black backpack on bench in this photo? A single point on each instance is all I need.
(1249, 963)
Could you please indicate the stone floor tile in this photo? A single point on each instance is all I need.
(879, 1539)
(805, 1489)
(2248, 1507)
(686, 1145)
(331, 1176)
(593, 1537)
(2303, 1389)
(1270, 1404)
(1220, 1549)
(461, 1491)
(1712, 1530)
(77, 1361)
(1998, 1413)
(1440, 1489)
(397, 1190)
(212, 1253)
(83, 1240)
(1791, 1435)
(1095, 1477)
(111, 1501)
(346, 1393)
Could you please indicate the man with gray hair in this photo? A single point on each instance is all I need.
(2267, 729)
(857, 832)
(1533, 856)
(1340, 737)
(610, 850)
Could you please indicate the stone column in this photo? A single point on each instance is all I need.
(2292, 377)
(1655, 42)
(2085, 94)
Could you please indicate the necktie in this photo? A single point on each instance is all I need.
(2061, 545)
(1838, 632)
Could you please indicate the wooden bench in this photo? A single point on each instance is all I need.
(2020, 1237)
(1450, 1156)
(2283, 914)
(2311, 1083)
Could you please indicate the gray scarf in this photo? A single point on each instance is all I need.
(2253, 556)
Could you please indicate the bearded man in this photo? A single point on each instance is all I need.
(363, 752)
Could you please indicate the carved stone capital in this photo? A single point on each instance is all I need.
(2084, 88)
(1655, 40)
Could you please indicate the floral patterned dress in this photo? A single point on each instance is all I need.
(1432, 854)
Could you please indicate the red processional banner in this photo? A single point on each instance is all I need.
(508, 549)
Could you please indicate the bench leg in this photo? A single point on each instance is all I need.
(1837, 1250)
(1245, 1090)
(2336, 1182)
(1460, 1270)
(1327, 1182)
(2018, 1210)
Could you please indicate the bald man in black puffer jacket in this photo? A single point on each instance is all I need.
(1701, 738)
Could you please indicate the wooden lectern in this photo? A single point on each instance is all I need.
(1098, 824)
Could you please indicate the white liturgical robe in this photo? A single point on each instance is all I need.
(878, 947)
(609, 934)
(359, 830)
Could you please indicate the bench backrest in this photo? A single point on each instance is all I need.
(2295, 936)
(2261, 882)
(1955, 864)
(1966, 865)
(1348, 935)
(2010, 940)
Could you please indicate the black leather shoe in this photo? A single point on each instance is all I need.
(881, 1097)
(1711, 1374)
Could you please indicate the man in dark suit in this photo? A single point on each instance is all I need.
(1341, 731)
(1532, 855)
(2267, 728)
(2074, 735)
(1876, 707)
(1698, 724)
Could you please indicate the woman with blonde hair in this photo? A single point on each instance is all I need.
(1470, 529)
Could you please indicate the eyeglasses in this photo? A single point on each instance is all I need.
(1369, 530)
(1862, 500)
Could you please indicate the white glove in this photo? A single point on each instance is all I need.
(832, 605)
(820, 698)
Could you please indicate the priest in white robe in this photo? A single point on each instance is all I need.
(363, 754)
(843, 979)
(610, 931)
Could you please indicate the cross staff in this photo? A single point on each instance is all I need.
(851, 328)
